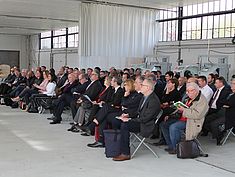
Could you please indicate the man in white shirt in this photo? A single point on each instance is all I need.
(205, 89)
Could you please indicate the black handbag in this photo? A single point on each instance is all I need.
(189, 150)
(112, 143)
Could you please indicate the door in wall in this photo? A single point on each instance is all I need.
(11, 58)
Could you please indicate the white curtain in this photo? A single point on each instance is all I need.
(115, 36)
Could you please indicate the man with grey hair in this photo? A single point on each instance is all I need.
(191, 119)
(142, 121)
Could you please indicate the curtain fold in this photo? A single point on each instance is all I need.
(111, 33)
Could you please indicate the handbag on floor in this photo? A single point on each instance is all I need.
(112, 140)
(189, 149)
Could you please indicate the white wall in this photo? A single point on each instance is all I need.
(191, 50)
(16, 43)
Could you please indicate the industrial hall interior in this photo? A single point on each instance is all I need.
(127, 88)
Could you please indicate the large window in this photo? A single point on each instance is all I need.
(63, 38)
(206, 20)
(168, 28)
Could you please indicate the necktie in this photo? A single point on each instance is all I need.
(214, 97)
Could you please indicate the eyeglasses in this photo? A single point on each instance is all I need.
(190, 91)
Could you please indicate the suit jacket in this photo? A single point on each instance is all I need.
(182, 90)
(195, 116)
(117, 98)
(230, 112)
(131, 102)
(222, 98)
(172, 96)
(81, 88)
(107, 95)
(67, 89)
(147, 114)
(93, 91)
(62, 80)
(10, 78)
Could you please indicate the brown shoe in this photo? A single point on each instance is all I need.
(172, 152)
(122, 157)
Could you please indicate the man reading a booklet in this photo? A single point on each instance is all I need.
(192, 114)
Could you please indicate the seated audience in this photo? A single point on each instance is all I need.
(130, 103)
(112, 107)
(104, 97)
(49, 92)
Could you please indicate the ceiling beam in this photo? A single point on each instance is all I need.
(38, 18)
(121, 4)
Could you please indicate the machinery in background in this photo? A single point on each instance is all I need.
(206, 65)
(155, 63)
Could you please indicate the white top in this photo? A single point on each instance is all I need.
(207, 92)
(116, 88)
(50, 89)
(215, 99)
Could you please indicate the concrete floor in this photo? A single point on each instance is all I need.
(31, 147)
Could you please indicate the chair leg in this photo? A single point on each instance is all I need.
(226, 137)
(154, 153)
(141, 142)
(134, 139)
(147, 146)
(199, 145)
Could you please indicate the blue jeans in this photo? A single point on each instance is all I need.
(172, 131)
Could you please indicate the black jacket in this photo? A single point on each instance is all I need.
(107, 95)
(93, 91)
(182, 90)
(131, 102)
(222, 98)
(172, 96)
(10, 78)
(62, 80)
(230, 112)
(117, 98)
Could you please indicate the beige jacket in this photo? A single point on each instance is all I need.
(195, 116)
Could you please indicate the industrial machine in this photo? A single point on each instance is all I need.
(155, 63)
(213, 64)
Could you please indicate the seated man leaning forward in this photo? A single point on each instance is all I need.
(142, 121)
(191, 119)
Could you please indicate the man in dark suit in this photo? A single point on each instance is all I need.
(110, 107)
(63, 100)
(61, 78)
(142, 121)
(216, 103)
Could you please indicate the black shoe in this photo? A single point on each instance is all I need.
(167, 149)
(86, 131)
(204, 134)
(160, 143)
(55, 122)
(96, 145)
(75, 130)
(33, 111)
(153, 137)
(86, 134)
(71, 123)
(72, 128)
